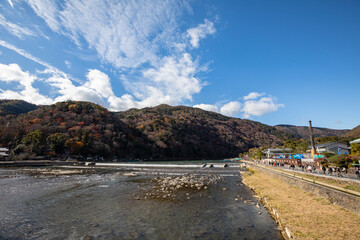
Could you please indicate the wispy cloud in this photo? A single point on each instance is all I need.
(253, 95)
(34, 59)
(47, 10)
(141, 37)
(15, 29)
(11, 4)
(200, 32)
(338, 121)
(26, 54)
(124, 33)
(68, 64)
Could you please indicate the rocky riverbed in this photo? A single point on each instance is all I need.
(175, 188)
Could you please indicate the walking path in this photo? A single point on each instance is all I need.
(343, 176)
(288, 172)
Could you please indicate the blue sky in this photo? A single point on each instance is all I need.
(277, 62)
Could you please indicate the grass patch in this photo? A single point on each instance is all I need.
(306, 215)
(353, 187)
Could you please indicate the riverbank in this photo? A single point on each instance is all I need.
(305, 215)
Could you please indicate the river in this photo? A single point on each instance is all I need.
(40, 203)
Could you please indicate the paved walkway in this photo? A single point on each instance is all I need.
(347, 177)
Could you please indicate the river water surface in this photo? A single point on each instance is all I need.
(106, 204)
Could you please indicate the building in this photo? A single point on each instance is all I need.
(275, 152)
(282, 156)
(333, 147)
(355, 141)
(4, 153)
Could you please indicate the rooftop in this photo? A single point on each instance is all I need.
(355, 141)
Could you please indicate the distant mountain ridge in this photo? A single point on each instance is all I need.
(354, 133)
(15, 107)
(163, 132)
(303, 132)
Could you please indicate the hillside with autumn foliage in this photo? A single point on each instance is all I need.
(71, 128)
(354, 133)
(88, 130)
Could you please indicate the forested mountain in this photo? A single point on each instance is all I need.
(15, 107)
(163, 132)
(303, 132)
(188, 132)
(354, 133)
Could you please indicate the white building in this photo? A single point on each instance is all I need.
(273, 152)
(333, 147)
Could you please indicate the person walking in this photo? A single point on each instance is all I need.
(324, 170)
(330, 171)
(338, 172)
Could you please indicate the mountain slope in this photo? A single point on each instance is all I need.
(15, 107)
(354, 133)
(162, 132)
(185, 132)
(303, 132)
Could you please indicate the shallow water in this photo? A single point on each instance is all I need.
(104, 205)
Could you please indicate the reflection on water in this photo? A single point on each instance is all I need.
(106, 206)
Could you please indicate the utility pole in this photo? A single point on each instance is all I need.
(312, 138)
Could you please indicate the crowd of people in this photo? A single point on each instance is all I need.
(331, 171)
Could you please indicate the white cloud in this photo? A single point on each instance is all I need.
(11, 4)
(96, 89)
(99, 82)
(13, 73)
(137, 36)
(207, 107)
(68, 91)
(26, 55)
(15, 29)
(231, 108)
(47, 10)
(124, 33)
(175, 78)
(253, 95)
(173, 82)
(200, 32)
(250, 107)
(260, 107)
(68, 64)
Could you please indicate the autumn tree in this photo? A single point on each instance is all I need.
(57, 142)
(35, 142)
